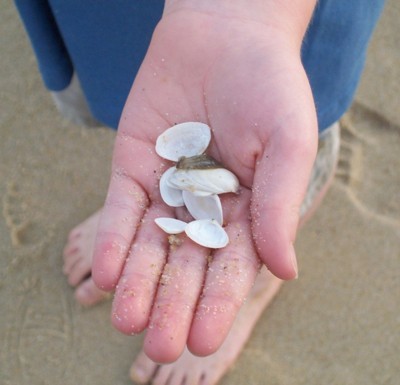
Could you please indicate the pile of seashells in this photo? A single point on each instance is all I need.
(195, 182)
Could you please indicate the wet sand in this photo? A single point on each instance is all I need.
(337, 324)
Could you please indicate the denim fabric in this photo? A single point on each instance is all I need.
(105, 42)
(334, 51)
(53, 60)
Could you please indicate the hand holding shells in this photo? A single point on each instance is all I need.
(184, 277)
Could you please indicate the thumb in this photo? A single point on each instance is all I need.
(280, 183)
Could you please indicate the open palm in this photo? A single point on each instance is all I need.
(245, 81)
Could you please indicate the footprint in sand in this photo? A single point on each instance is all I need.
(369, 164)
(23, 231)
(40, 340)
(27, 236)
(22, 220)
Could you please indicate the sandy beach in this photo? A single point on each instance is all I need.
(338, 323)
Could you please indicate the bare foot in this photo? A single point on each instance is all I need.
(193, 370)
(78, 261)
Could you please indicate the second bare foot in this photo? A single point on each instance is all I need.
(77, 256)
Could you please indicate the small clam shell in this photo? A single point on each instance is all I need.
(207, 207)
(171, 225)
(170, 195)
(185, 139)
(207, 233)
(203, 182)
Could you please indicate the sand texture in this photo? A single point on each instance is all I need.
(338, 324)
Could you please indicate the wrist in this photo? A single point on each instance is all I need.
(289, 16)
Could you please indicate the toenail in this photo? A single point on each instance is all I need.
(137, 374)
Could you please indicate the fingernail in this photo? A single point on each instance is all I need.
(294, 263)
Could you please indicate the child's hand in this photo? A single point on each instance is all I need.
(245, 80)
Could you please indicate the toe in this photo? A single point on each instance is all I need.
(87, 293)
(70, 261)
(75, 233)
(166, 375)
(78, 272)
(70, 249)
(142, 369)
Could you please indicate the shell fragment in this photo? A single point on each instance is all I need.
(207, 207)
(170, 195)
(207, 233)
(185, 139)
(171, 225)
(210, 181)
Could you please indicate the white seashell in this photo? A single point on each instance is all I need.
(203, 182)
(170, 195)
(207, 233)
(185, 139)
(171, 225)
(203, 207)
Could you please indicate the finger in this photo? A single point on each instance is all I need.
(280, 183)
(229, 279)
(122, 212)
(137, 286)
(133, 181)
(179, 289)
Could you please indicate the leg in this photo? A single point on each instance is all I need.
(72, 104)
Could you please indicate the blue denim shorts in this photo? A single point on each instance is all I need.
(95, 40)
